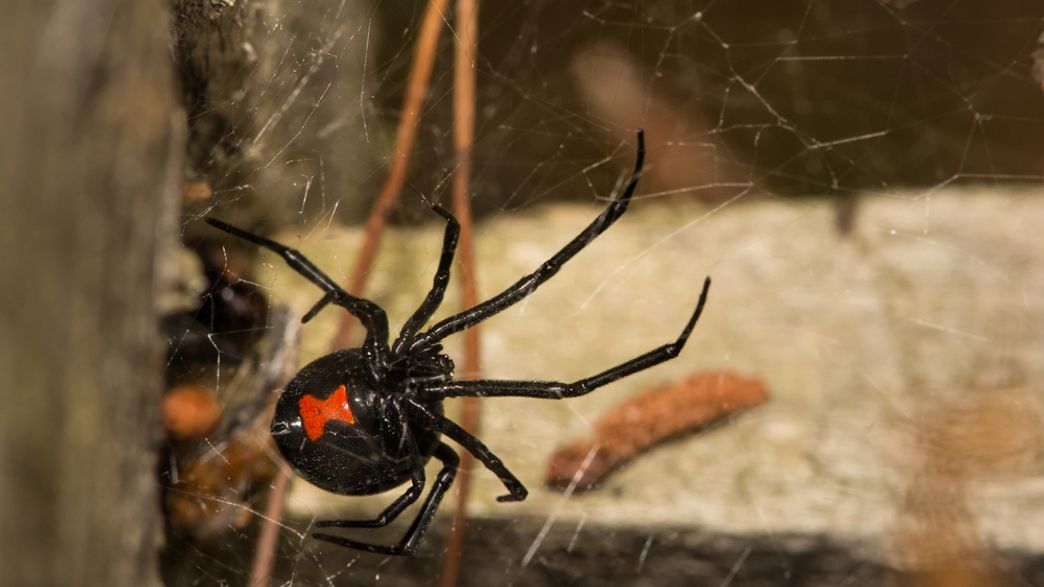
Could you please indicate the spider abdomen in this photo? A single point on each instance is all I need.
(340, 434)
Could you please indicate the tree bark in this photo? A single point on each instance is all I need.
(90, 166)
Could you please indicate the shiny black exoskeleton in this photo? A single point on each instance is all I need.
(375, 453)
(365, 420)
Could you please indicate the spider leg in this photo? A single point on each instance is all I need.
(438, 288)
(516, 491)
(413, 536)
(525, 286)
(559, 390)
(390, 513)
(369, 313)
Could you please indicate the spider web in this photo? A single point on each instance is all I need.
(863, 181)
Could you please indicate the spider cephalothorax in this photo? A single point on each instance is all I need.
(364, 420)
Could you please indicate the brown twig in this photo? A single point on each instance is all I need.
(657, 415)
(268, 538)
(416, 91)
(463, 137)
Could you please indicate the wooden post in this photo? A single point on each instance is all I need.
(90, 168)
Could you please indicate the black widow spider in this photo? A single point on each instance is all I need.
(364, 420)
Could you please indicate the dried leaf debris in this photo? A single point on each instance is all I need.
(651, 418)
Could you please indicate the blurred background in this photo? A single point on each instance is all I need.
(862, 179)
(792, 99)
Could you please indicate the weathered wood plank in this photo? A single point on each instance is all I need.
(91, 163)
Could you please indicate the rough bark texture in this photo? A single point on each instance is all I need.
(90, 162)
(276, 115)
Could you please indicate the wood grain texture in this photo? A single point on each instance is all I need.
(90, 164)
